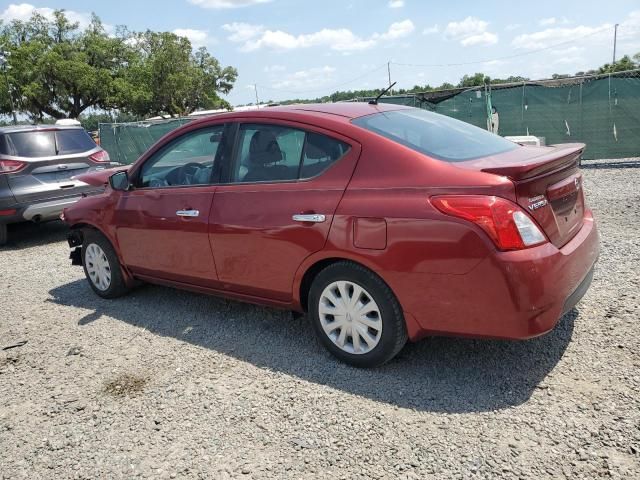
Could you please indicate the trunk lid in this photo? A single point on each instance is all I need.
(548, 185)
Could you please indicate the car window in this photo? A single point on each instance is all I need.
(189, 160)
(31, 144)
(435, 135)
(74, 141)
(271, 153)
(320, 152)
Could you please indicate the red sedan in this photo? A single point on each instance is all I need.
(383, 223)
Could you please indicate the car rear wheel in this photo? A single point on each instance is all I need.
(3, 233)
(101, 266)
(356, 315)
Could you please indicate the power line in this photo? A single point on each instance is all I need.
(506, 57)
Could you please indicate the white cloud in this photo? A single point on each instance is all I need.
(241, 32)
(470, 31)
(552, 36)
(255, 37)
(431, 30)
(306, 79)
(24, 11)
(274, 68)
(397, 30)
(396, 3)
(546, 22)
(198, 38)
(512, 26)
(484, 38)
(226, 3)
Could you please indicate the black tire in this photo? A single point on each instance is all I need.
(394, 332)
(117, 286)
(3, 234)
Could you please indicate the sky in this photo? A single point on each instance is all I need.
(306, 49)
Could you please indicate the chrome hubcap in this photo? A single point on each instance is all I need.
(98, 267)
(350, 317)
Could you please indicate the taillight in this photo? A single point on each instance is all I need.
(11, 166)
(506, 223)
(100, 157)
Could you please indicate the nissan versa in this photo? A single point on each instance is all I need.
(384, 223)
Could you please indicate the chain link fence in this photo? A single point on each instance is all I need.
(602, 111)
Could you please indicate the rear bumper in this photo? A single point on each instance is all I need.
(40, 211)
(512, 295)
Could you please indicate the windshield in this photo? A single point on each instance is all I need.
(435, 135)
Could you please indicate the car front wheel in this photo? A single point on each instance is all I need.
(356, 315)
(101, 266)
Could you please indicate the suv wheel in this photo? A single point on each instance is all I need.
(356, 315)
(101, 266)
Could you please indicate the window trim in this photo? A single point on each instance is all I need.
(138, 172)
(234, 158)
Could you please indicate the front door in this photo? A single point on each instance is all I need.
(161, 224)
(283, 188)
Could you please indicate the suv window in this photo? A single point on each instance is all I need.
(48, 143)
(435, 135)
(31, 144)
(269, 153)
(188, 160)
(74, 141)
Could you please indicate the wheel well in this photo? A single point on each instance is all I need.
(77, 232)
(312, 272)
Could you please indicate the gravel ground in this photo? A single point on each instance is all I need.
(168, 384)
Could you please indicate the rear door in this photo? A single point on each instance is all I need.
(162, 223)
(283, 187)
(53, 157)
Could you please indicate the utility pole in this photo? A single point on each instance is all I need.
(255, 87)
(4, 65)
(389, 70)
(615, 39)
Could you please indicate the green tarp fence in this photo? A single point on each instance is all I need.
(601, 111)
(125, 142)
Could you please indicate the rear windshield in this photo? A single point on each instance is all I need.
(74, 141)
(46, 144)
(436, 135)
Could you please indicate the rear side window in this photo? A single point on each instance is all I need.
(272, 153)
(32, 144)
(435, 135)
(74, 141)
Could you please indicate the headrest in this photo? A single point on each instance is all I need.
(264, 148)
(320, 147)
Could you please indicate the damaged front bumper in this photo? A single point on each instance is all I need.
(75, 242)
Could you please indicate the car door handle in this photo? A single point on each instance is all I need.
(309, 218)
(188, 213)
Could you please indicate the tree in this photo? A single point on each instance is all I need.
(57, 70)
(476, 80)
(171, 79)
(622, 65)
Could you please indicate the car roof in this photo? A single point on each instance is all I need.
(349, 110)
(36, 128)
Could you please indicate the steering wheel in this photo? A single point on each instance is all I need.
(185, 173)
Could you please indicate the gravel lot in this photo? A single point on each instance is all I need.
(168, 384)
